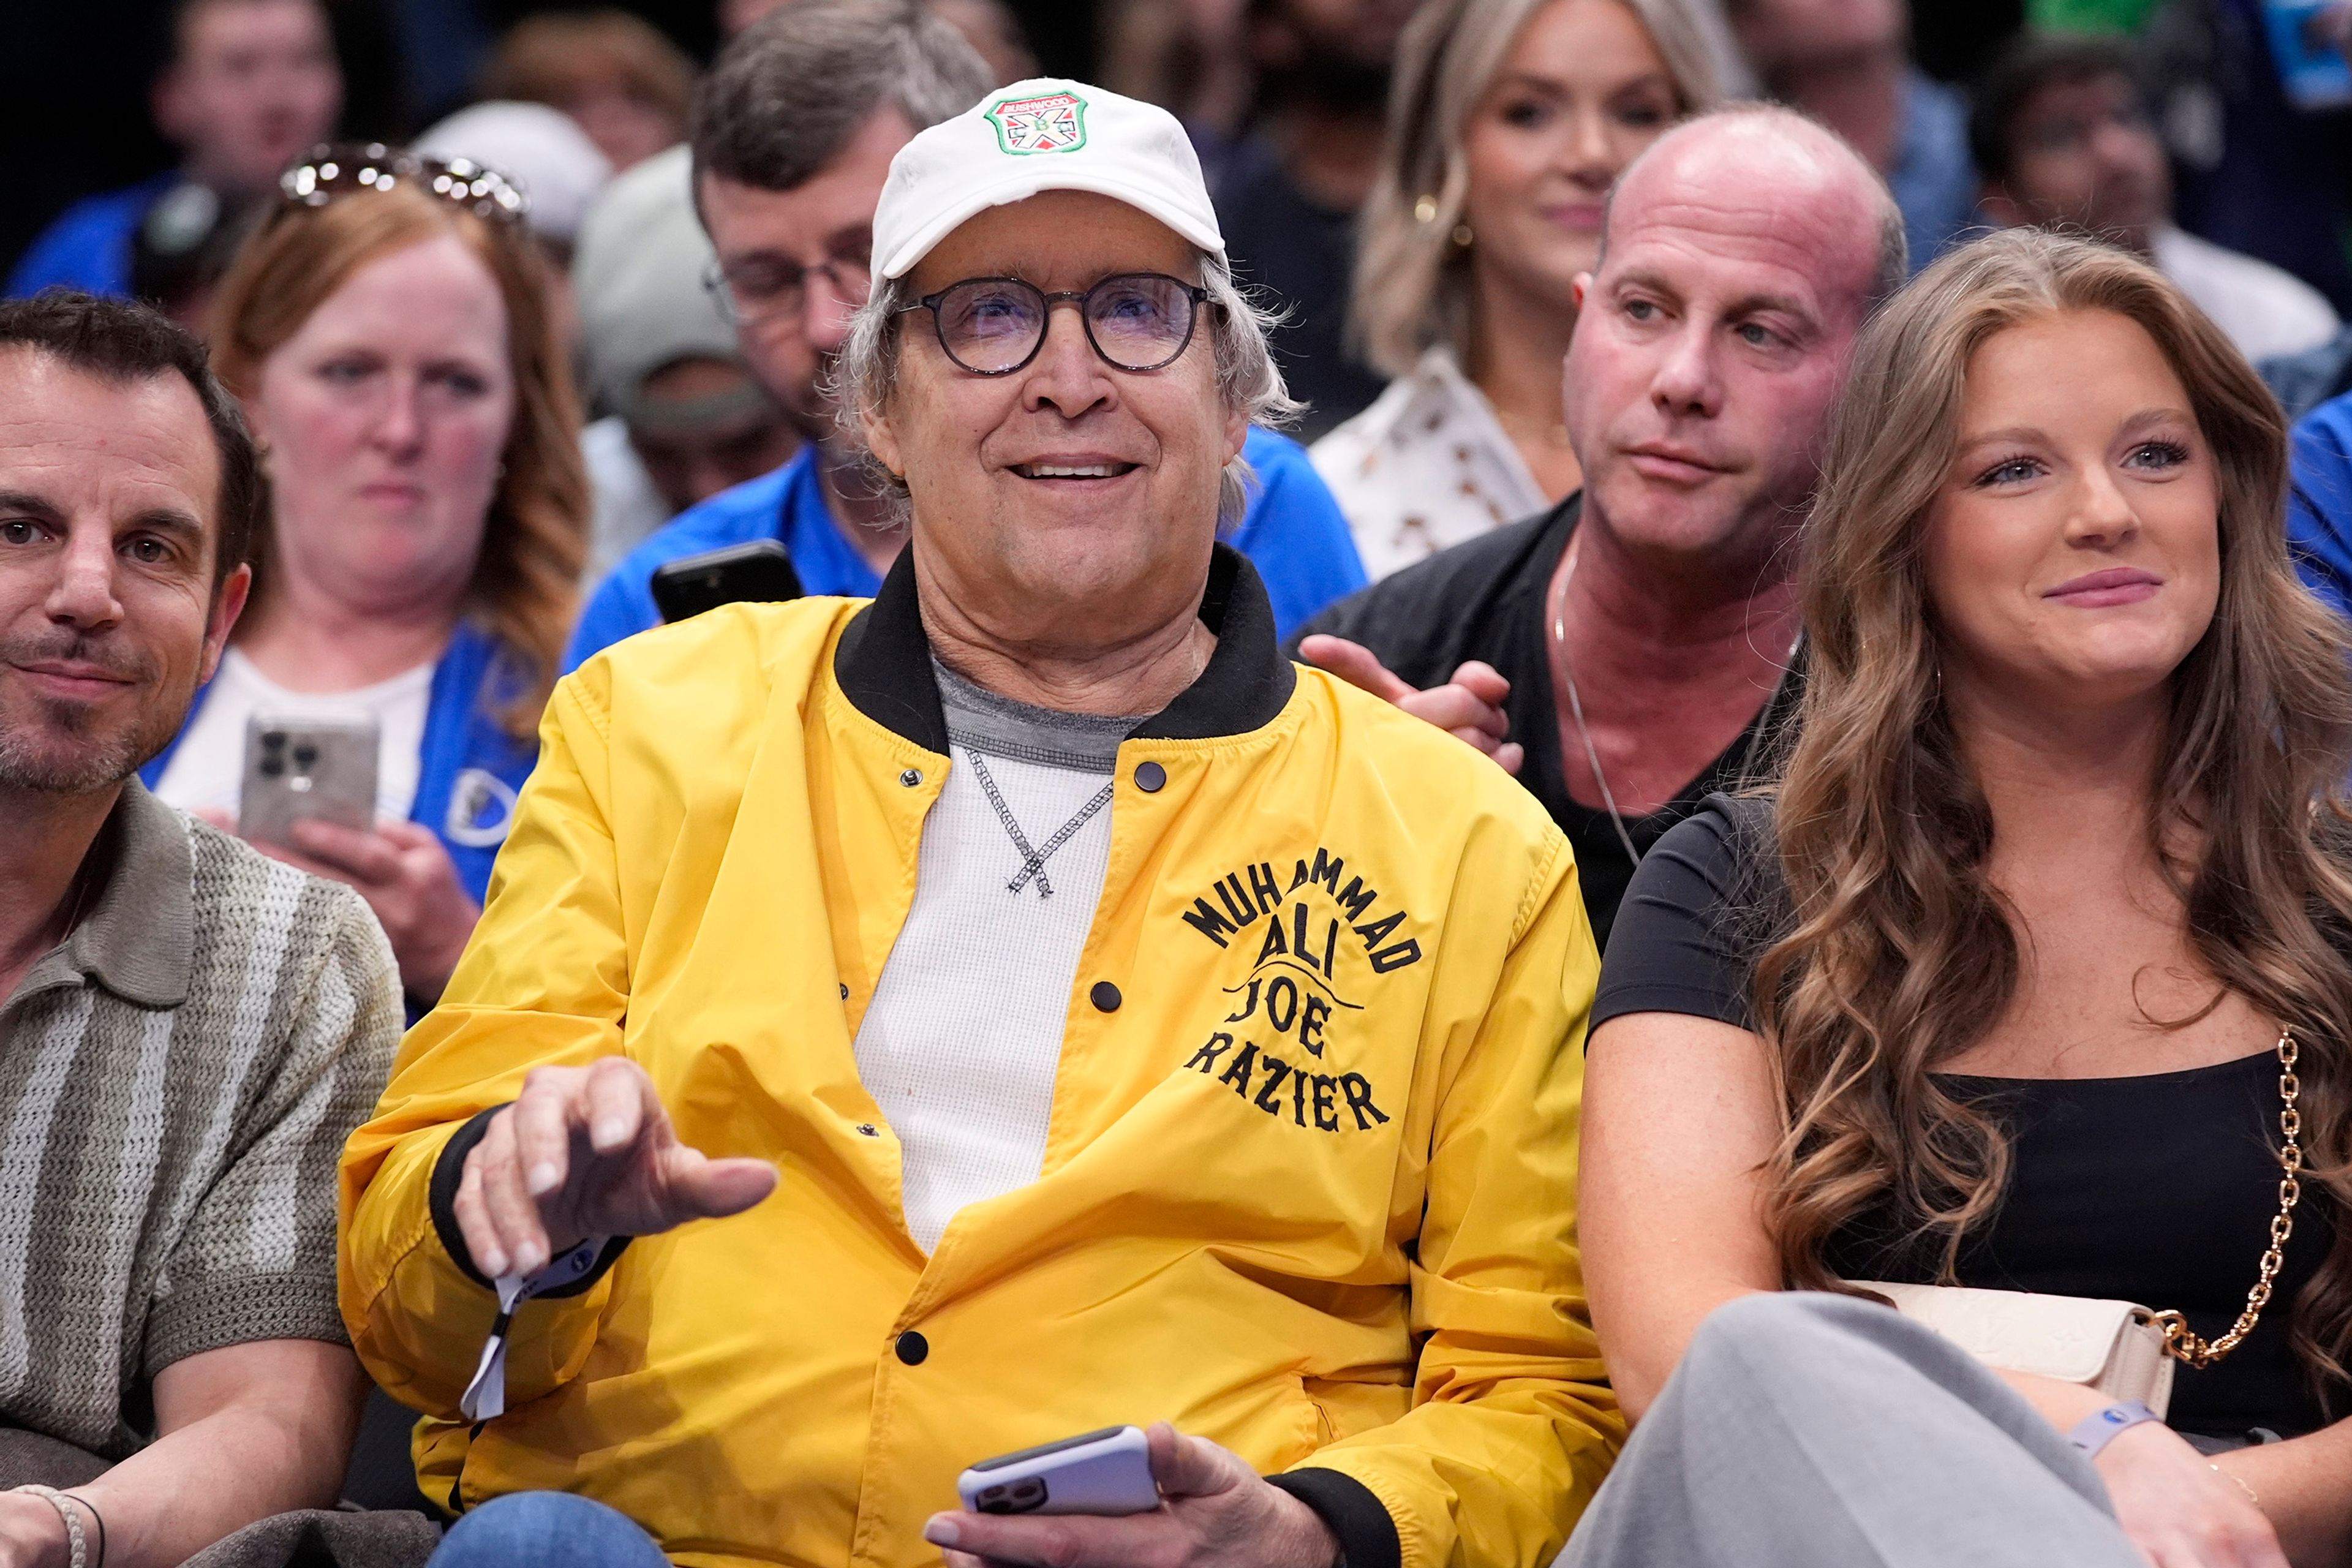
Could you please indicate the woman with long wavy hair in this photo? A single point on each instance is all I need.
(389, 335)
(2033, 973)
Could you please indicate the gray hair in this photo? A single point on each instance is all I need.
(1413, 281)
(1892, 266)
(865, 374)
(787, 95)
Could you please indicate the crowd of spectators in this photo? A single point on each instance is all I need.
(1296, 553)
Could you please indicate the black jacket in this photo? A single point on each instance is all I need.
(1487, 600)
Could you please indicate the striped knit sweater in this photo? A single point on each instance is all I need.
(176, 1082)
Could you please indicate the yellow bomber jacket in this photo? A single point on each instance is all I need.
(1309, 1184)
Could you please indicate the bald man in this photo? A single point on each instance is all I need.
(1624, 652)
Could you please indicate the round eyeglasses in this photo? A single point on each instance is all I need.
(346, 168)
(995, 326)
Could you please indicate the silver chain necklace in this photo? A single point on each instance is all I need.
(1576, 699)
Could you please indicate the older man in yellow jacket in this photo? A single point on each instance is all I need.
(907, 1031)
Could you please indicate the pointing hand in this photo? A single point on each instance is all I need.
(589, 1152)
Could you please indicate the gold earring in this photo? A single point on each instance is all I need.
(1425, 210)
(1462, 235)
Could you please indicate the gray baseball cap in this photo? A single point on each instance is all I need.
(539, 148)
(638, 271)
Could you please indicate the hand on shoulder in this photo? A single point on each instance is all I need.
(1469, 707)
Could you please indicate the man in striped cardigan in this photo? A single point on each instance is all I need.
(188, 1030)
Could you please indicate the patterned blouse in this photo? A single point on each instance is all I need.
(1426, 466)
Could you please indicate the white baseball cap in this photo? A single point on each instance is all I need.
(543, 150)
(1042, 135)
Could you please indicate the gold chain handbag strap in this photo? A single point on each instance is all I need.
(2180, 1343)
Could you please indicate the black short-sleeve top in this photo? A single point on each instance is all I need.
(2156, 1189)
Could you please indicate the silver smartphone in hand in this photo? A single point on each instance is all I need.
(296, 770)
(1104, 1472)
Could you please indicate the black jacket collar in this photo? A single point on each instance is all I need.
(883, 661)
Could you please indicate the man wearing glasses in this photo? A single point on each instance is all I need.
(794, 130)
(909, 1032)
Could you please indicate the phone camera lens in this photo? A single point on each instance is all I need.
(305, 756)
(272, 768)
(273, 739)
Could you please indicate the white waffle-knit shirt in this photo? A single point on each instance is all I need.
(963, 1041)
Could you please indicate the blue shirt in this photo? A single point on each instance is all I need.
(2319, 502)
(2302, 381)
(1293, 533)
(469, 769)
(88, 246)
(1934, 178)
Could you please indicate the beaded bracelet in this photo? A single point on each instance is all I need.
(78, 1548)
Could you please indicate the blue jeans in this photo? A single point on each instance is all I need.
(546, 1530)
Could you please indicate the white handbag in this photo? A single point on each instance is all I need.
(2115, 1347)
(2120, 1348)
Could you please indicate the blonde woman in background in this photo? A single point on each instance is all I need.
(1508, 122)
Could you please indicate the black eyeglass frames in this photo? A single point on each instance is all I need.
(754, 292)
(993, 326)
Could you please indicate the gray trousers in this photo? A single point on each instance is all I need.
(1821, 1432)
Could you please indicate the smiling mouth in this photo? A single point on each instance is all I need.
(77, 680)
(1074, 470)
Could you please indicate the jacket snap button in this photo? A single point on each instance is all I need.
(912, 777)
(844, 990)
(1151, 777)
(913, 1349)
(1105, 997)
(867, 1130)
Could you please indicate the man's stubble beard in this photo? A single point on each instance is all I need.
(105, 757)
(104, 762)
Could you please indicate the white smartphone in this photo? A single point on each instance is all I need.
(1104, 1472)
(298, 768)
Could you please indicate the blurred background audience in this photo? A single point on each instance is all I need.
(416, 563)
(1847, 63)
(626, 84)
(1289, 179)
(1512, 120)
(990, 26)
(2238, 133)
(682, 416)
(250, 84)
(2064, 137)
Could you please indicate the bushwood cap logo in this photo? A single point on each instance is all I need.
(1053, 124)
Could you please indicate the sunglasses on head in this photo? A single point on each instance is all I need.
(334, 170)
